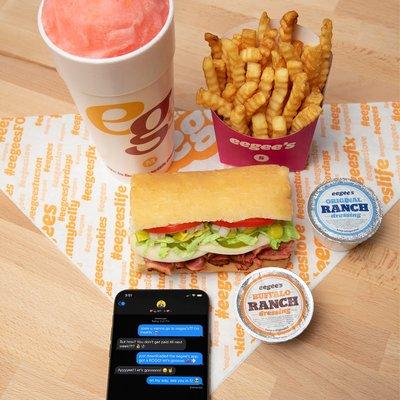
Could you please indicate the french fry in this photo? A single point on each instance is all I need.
(275, 105)
(229, 92)
(288, 22)
(249, 38)
(215, 45)
(305, 117)
(237, 39)
(266, 45)
(254, 103)
(315, 97)
(260, 126)
(294, 67)
(325, 40)
(267, 81)
(286, 50)
(298, 48)
(297, 95)
(225, 59)
(263, 26)
(206, 98)
(268, 41)
(278, 126)
(266, 57)
(220, 69)
(211, 75)
(277, 60)
(239, 73)
(225, 110)
(311, 59)
(253, 72)
(238, 119)
(230, 49)
(245, 92)
(251, 54)
(230, 55)
(272, 34)
(236, 65)
(324, 71)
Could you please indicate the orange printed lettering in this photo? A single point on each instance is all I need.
(384, 177)
(365, 114)
(49, 219)
(224, 286)
(301, 254)
(396, 111)
(350, 148)
(120, 233)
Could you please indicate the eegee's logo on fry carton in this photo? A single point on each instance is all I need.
(259, 146)
(148, 131)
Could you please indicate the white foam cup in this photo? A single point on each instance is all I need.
(126, 102)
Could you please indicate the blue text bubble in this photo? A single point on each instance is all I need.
(170, 330)
(152, 344)
(168, 358)
(174, 380)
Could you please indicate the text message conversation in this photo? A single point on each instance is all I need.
(159, 345)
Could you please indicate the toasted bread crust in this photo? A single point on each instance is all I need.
(230, 194)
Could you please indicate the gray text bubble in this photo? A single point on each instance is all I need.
(139, 344)
(145, 370)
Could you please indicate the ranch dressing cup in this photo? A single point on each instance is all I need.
(126, 101)
(274, 305)
(343, 213)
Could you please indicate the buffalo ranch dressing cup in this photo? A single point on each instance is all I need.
(343, 213)
(274, 305)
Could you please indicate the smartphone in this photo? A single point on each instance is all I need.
(159, 345)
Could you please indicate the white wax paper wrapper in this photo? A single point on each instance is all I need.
(50, 169)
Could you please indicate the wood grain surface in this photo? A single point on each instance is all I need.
(55, 325)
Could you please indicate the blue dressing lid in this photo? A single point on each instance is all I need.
(344, 210)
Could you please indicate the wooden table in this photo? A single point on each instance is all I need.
(55, 326)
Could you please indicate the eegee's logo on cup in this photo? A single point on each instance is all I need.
(148, 131)
(258, 146)
(108, 119)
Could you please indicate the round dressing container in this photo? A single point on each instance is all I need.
(343, 213)
(274, 305)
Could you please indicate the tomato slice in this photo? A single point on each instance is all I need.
(246, 223)
(173, 228)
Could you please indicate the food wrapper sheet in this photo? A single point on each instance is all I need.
(51, 170)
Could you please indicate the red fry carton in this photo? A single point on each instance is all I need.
(237, 149)
(292, 151)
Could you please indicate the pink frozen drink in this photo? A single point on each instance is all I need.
(103, 28)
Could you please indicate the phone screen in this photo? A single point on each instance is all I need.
(159, 345)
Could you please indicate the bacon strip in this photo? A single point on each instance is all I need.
(284, 251)
(218, 259)
(165, 268)
(245, 260)
(196, 265)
